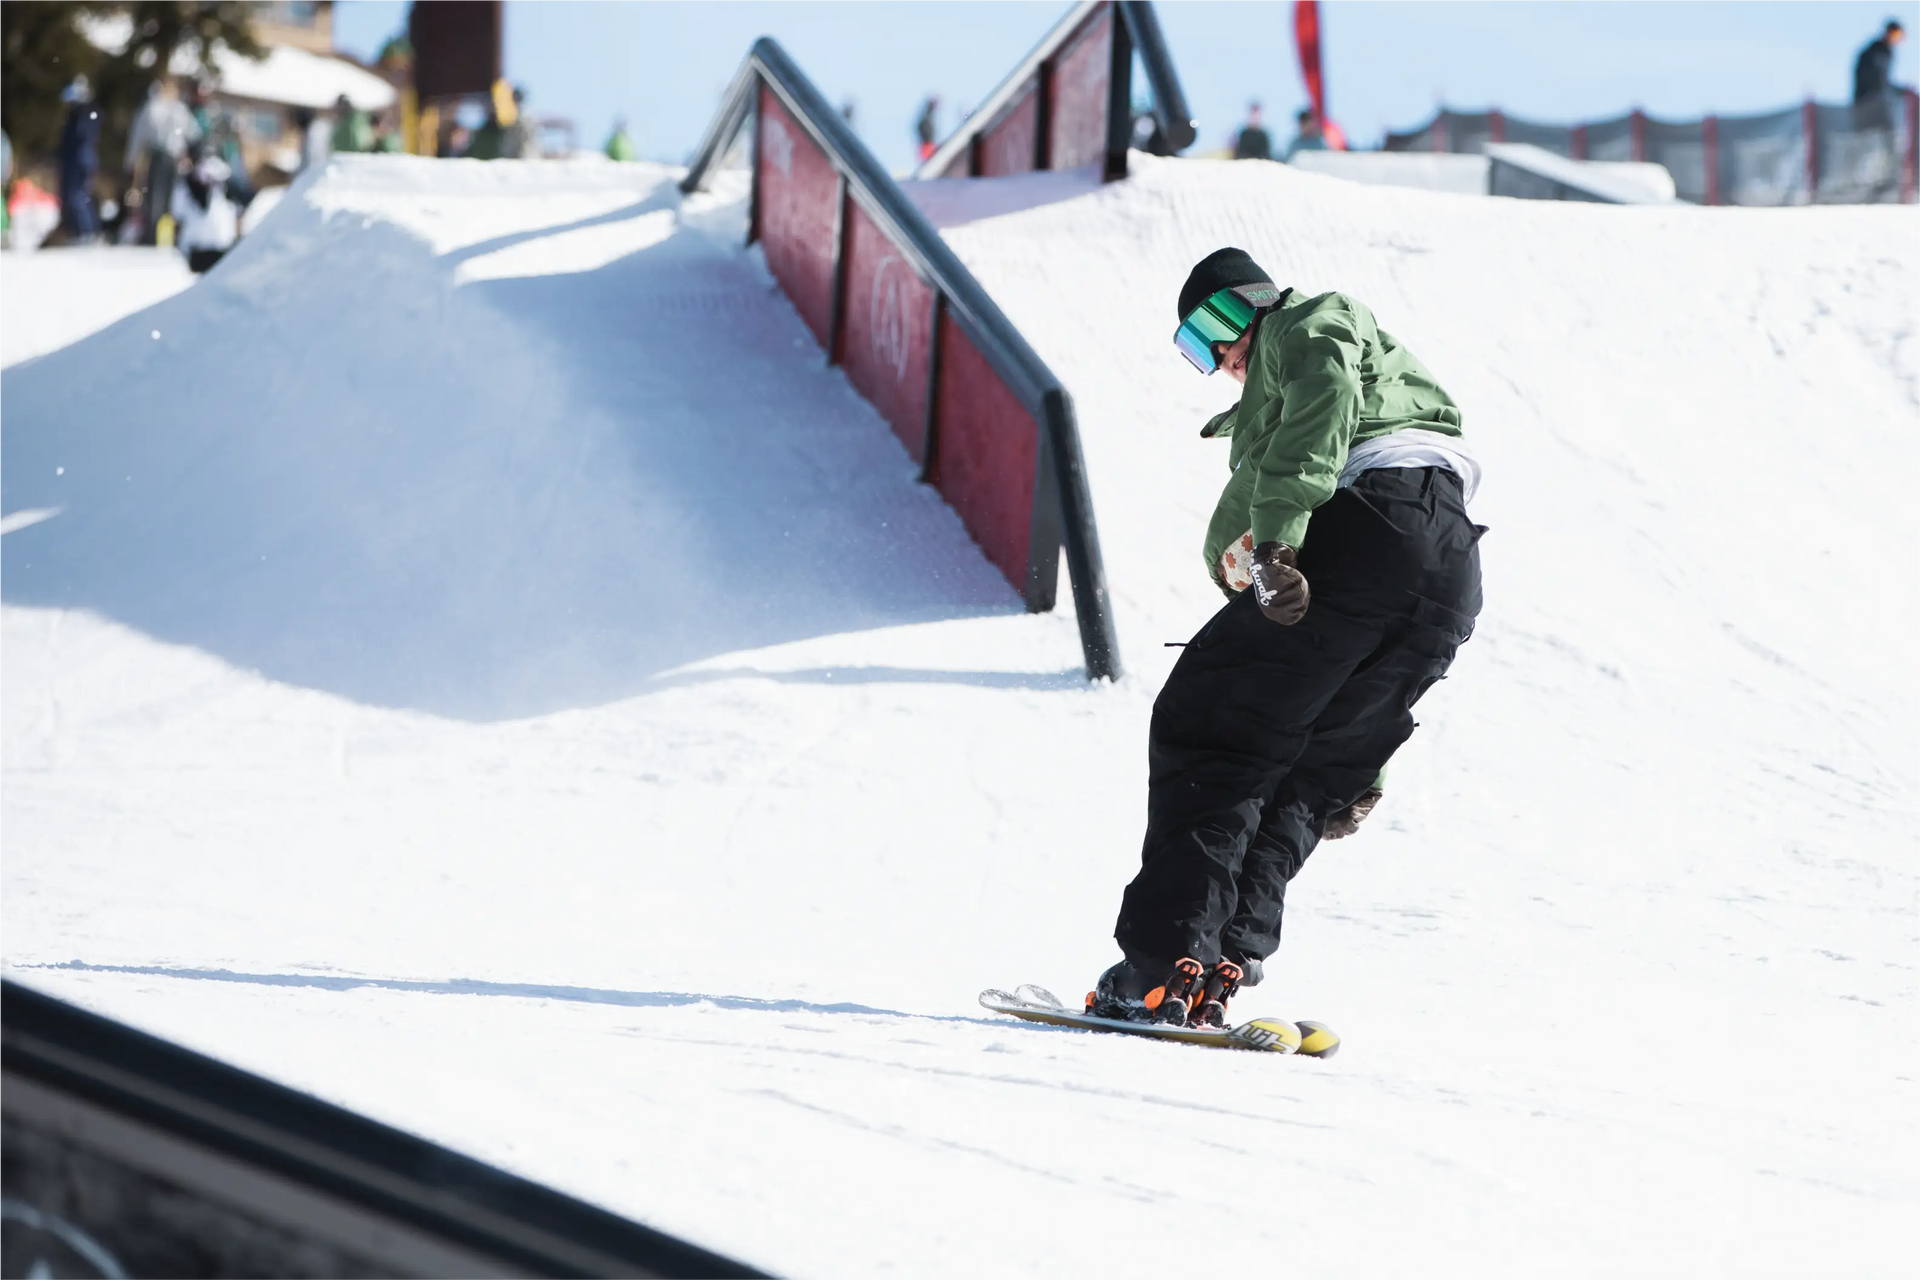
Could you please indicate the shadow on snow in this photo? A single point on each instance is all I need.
(349, 465)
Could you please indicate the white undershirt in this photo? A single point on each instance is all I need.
(1414, 447)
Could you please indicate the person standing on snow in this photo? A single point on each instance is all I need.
(6, 181)
(619, 143)
(1873, 79)
(522, 138)
(160, 136)
(79, 162)
(1353, 576)
(1308, 135)
(207, 220)
(926, 128)
(1252, 142)
(352, 128)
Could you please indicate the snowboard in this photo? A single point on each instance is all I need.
(1263, 1035)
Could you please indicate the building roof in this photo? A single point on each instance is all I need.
(287, 75)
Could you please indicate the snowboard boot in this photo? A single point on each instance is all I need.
(1130, 992)
(1209, 1005)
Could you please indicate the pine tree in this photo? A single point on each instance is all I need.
(161, 30)
(44, 49)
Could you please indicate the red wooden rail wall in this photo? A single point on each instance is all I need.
(1059, 120)
(875, 316)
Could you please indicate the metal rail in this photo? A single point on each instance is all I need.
(1170, 110)
(978, 316)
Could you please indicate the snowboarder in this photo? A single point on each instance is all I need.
(1352, 574)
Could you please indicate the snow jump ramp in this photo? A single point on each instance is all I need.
(482, 440)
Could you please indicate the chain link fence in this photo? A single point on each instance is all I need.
(1864, 153)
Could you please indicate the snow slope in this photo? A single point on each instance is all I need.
(620, 770)
(56, 297)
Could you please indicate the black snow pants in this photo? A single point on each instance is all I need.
(1263, 732)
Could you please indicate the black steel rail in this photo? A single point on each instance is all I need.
(1170, 110)
(991, 333)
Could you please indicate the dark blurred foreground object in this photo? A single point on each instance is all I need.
(126, 1155)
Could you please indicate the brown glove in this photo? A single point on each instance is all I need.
(1348, 820)
(1279, 587)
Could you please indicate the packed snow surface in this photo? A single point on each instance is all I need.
(478, 665)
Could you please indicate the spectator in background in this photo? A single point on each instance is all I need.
(521, 141)
(79, 162)
(6, 179)
(1873, 80)
(159, 139)
(200, 105)
(455, 143)
(352, 128)
(207, 219)
(386, 135)
(1310, 136)
(925, 127)
(489, 141)
(619, 145)
(1253, 142)
(223, 140)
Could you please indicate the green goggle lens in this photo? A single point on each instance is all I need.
(1221, 318)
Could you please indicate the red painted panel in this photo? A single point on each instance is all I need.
(1008, 146)
(885, 336)
(798, 188)
(985, 454)
(1080, 75)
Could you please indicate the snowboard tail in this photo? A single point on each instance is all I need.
(1264, 1035)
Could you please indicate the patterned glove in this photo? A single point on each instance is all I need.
(1348, 820)
(1277, 585)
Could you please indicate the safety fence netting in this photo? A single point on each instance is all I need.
(1815, 153)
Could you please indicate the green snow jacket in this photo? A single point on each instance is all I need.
(1321, 377)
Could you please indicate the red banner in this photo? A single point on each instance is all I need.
(1306, 38)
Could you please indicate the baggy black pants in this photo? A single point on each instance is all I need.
(1263, 732)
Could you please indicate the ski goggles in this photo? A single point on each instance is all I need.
(1221, 318)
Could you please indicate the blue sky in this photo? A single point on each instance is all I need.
(662, 65)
